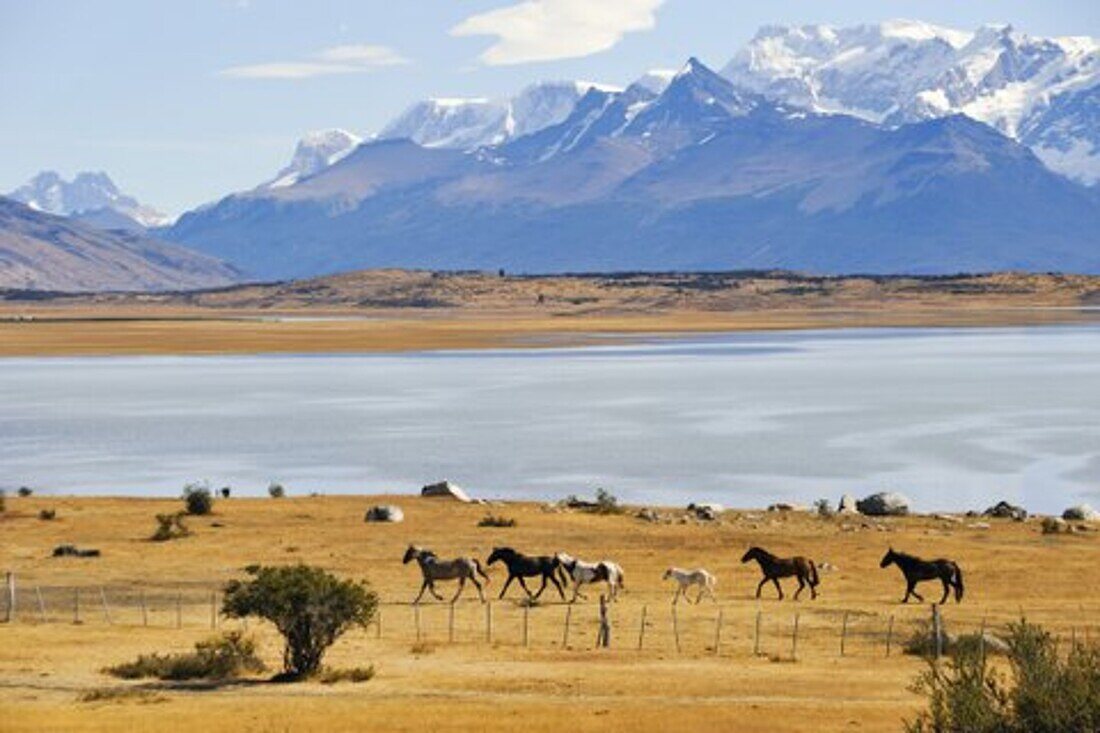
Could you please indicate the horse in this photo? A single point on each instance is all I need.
(917, 571)
(687, 578)
(433, 569)
(775, 568)
(581, 572)
(522, 566)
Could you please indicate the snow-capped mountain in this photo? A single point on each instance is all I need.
(472, 123)
(93, 197)
(1040, 91)
(315, 152)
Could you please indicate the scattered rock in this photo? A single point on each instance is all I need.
(948, 518)
(1004, 510)
(385, 513)
(706, 512)
(1081, 513)
(827, 567)
(847, 505)
(978, 525)
(784, 506)
(447, 490)
(648, 515)
(74, 551)
(884, 504)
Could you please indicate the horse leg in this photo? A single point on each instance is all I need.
(536, 595)
(946, 590)
(506, 584)
(461, 585)
(423, 587)
(778, 587)
(801, 586)
(478, 586)
(561, 593)
(676, 596)
(760, 587)
(432, 590)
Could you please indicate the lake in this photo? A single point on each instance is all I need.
(954, 418)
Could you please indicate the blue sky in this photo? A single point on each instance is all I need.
(182, 102)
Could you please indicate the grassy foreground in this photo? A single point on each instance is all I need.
(470, 683)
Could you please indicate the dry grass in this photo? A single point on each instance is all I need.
(470, 684)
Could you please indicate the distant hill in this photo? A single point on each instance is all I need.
(40, 251)
(693, 173)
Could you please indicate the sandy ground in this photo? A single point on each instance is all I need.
(473, 684)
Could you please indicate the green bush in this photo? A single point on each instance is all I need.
(170, 527)
(47, 515)
(220, 658)
(276, 490)
(329, 676)
(197, 499)
(492, 520)
(1041, 692)
(310, 608)
(3, 501)
(824, 508)
(25, 491)
(607, 503)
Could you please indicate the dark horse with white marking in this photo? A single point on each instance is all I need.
(775, 568)
(918, 571)
(433, 569)
(522, 566)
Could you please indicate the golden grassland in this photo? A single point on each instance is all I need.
(404, 311)
(471, 684)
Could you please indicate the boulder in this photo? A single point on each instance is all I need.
(847, 505)
(1004, 510)
(74, 551)
(1081, 513)
(884, 504)
(784, 506)
(385, 513)
(447, 490)
(708, 512)
(648, 515)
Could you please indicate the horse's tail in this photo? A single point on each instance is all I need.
(482, 573)
(815, 579)
(958, 582)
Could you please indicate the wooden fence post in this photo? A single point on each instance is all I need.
(179, 609)
(844, 634)
(641, 628)
(106, 610)
(794, 640)
(718, 632)
(489, 622)
(675, 628)
(565, 632)
(144, 609)
(451, 623)
(378, 623)
(756, 636)
(213, 609)
(937, 630)
(416, 619)
(41, 603)
(889, 634)
(76, 605)
(603, 638)
(9, 616)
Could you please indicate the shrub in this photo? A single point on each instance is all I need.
(47, 515)
(1043, 693)
(607, 503)
(25, 491)
(356, 674)
(3, 501)
(120, 694)
(170, 527)
(197, 499)
(225, 491)
(824, 508)
(276, 490)
(220, 658)
(492, 520)
(310, 608)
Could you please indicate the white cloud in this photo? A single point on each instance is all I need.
(349, 59)
(544, 30)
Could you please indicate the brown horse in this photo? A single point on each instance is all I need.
(775, 568)
(918, 571)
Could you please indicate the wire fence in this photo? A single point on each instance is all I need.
(787, 631)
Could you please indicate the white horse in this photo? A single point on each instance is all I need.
(581, 572)
(687, 578)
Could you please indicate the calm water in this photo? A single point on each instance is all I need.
(954, 418)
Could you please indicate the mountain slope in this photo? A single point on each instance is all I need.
(93, 197)
(702, 176)
(41, 251)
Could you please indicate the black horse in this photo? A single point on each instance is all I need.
(775, 568)
(521, 566)
(917, 571)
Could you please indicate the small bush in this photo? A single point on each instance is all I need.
(170, 527)
(225, 491)
(220, 658)
(3, 501)
(492, 520)
(120, 694)
(310, 608)
(330, 676)
(422, 647)
(276, 491)
(25, 491)
(47, 515)
(197, 499)
(824, 508)
(607, 503)
(1044, 693)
